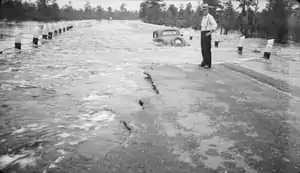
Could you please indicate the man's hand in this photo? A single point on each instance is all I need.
(209, 33)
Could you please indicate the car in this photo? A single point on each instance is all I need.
(171, 37)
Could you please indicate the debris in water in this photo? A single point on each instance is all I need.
(149, 79)
(141, 103)
(126, 125)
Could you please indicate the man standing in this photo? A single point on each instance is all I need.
(208, 25)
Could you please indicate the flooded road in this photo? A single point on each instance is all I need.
(78, 103)
(68, 90)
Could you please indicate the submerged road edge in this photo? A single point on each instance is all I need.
(278, 84)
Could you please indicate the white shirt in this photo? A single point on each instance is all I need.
(208, 23)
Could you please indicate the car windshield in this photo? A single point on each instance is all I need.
(169, 33)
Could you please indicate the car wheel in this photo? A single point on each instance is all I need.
(155, 34)
(178, 42)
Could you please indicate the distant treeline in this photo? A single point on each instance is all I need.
(278, 20)
(48, 10)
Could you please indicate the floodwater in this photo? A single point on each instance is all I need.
(81, 86)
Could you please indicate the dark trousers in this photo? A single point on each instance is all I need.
(206, 49)
(18, 46)
(35, 41)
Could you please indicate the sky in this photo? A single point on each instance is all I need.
(135, 4)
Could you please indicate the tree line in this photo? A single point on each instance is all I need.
(48, 10)
(279, 20)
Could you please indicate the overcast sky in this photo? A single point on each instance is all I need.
(133, 4)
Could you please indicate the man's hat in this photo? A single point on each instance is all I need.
(204, 6)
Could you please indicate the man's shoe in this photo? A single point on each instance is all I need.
(207, 66)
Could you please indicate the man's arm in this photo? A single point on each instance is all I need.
(213, 23)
